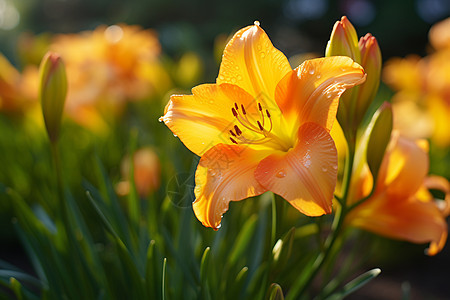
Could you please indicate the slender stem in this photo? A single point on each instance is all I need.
(274, 221)
(58, 173)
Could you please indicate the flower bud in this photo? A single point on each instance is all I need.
(379, 131)
(52, 93)
(371, 62)
(343, 41)
(355, 102)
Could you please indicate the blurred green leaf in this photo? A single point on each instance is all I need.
(275, 292)
(355, 284)
(243, 239)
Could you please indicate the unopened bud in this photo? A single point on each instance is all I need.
(52, 93)
(343, 40)
(371, 62)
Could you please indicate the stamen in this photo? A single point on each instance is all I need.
(236, 106)
(238, 131)
(234, 112)
(233, 140)
(267, 112)
(260, 126)
(243, 109)
(259, 106)
(232, 133)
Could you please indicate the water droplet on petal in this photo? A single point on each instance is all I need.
(211, 172)
(311, 71)
(335, 167)
(262, 54)
(329, 95)
(175, 135)
(161, 119)
(233, 80)
(239, 77)
(281, 174)
(324, 169)
(318, 76)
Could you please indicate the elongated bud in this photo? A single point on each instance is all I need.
(343, 41)
(52, 93)
(380, 135)
(371, 62)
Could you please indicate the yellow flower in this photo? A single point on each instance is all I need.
(401, 206)
(263, 127)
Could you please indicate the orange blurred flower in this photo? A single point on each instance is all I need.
(18, 92)
(263, 127)
(146, 173)
(107, 67)
(422, 101)
(401, 206)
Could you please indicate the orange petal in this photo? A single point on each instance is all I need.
(311, 92)
(407, 166)
(225, 173)
(402, 218)
(306, 175)
(253, 63)
(204, 119)
(440, 183)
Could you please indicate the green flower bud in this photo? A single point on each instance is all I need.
(52, 92)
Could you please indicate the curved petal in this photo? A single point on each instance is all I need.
(405, 167)
(203, 119)
(440, 183)
(306, 175)
(224, 174)
(402, 218)
(311, 92)
(253, 63)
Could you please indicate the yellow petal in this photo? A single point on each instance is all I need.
(224, 174)
(306, 175)
(253, 63)
(203, 120)
(311, 92)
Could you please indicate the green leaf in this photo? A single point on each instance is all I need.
(275, 292)
(355, 284)
(204, 264)
(282, 249)
(243, 239)
(163, 281)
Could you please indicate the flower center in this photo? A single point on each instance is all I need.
(258, 129)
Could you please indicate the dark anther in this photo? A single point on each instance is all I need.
(260, 126)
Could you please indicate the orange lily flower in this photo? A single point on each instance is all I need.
(263, 127)
(401, 206)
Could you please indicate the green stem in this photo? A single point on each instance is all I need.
(274, 221)
(59, 179)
